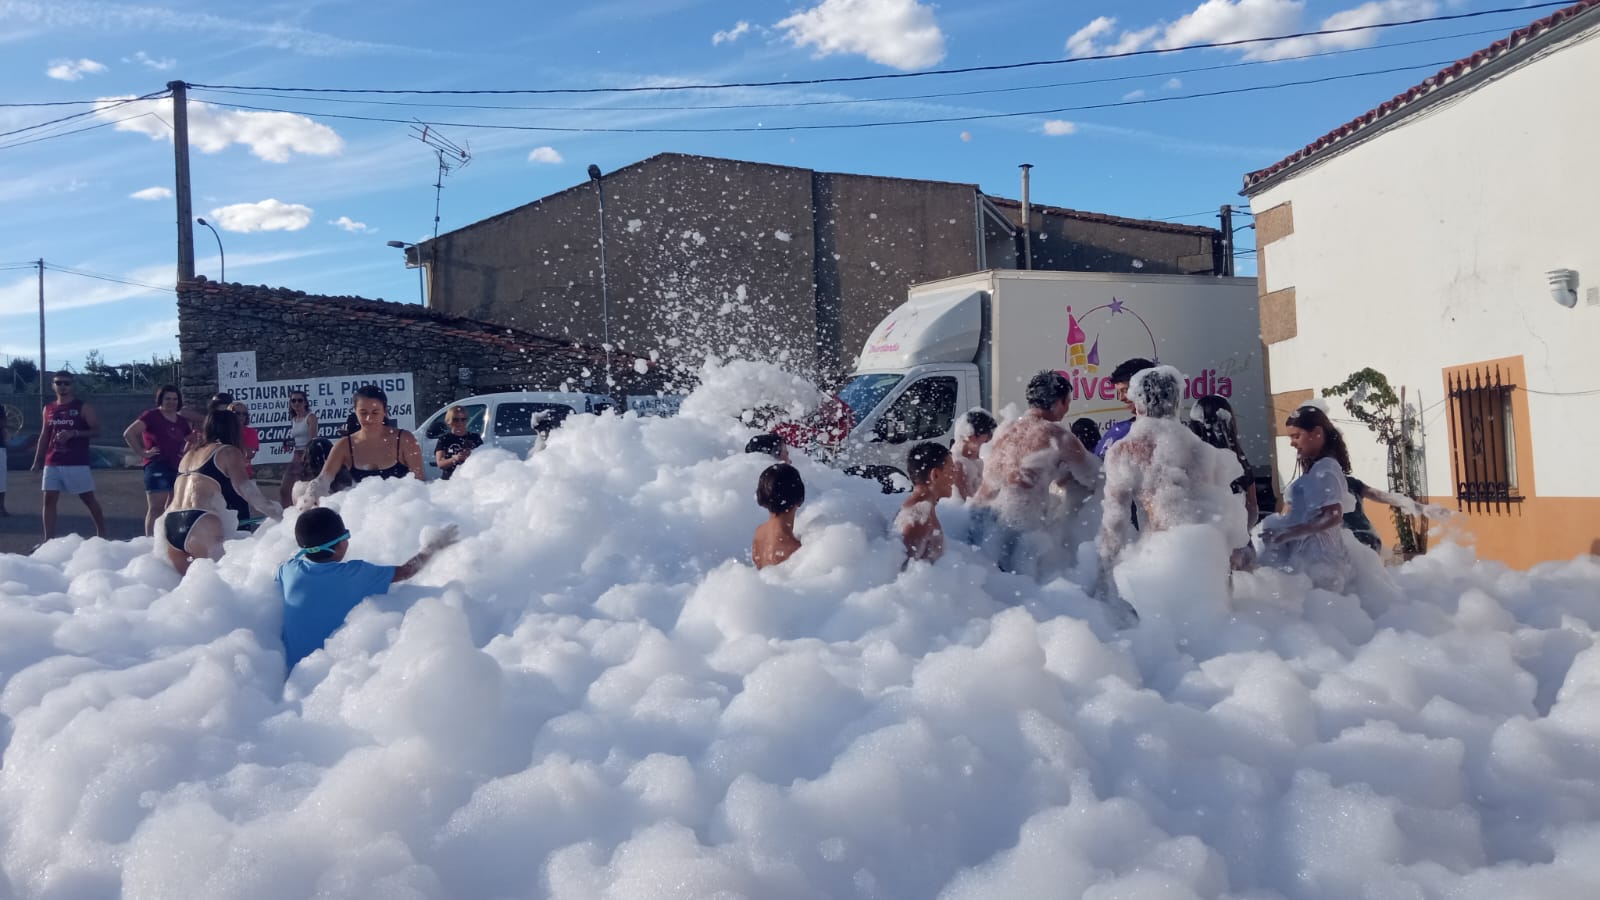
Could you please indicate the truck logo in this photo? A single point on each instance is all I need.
(1116, 319)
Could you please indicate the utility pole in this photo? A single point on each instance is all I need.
(1227, 239)
(605, 296)
(42, 370)
(180, 155)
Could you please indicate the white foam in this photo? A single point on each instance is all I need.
(595, 695)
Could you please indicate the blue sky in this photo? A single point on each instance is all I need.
(308, 201)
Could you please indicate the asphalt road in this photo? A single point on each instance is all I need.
(121, 495)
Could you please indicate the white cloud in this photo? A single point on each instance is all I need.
(152, 193)
(264, 215)
(1134, 95)
(1173, 84)
(732, 34)
(350, 225)
(165, 64)
(272, 136)
(1059, 127)
(73, 69)
(1083, 41)
(1224, 21)
(544, 155)
(898, 33)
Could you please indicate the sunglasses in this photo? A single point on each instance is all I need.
(63, 383)
(296, 400)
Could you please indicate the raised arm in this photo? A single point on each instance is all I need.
(446, 536)
(232, 463)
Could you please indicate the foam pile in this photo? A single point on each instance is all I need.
(594, 695)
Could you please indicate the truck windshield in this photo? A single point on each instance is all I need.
(864, 392)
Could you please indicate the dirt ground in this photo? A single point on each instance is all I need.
(121, 495)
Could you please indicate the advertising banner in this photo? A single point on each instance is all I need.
(331, 401)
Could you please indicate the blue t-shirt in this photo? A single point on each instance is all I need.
(1114, 432)
(317, 597)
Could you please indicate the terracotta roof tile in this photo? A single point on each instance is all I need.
(1428, 85)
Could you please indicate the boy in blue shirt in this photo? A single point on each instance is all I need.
(320, 588)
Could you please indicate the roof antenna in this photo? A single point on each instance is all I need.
(451, 157)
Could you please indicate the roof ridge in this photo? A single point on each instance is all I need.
(1448, 74)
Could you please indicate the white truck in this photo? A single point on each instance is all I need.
(975, 341)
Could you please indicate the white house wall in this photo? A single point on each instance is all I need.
(1427, 247)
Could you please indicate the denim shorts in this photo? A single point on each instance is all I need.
(159, 477)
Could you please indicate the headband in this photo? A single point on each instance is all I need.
(322, 548)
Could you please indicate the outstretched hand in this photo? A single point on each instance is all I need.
(444, 537)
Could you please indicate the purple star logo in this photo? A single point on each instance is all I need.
(1116, 306)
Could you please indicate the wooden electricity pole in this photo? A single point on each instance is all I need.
(180, 153)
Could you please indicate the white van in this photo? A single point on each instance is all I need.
(508, 421)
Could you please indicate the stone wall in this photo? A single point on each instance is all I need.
(299, 335)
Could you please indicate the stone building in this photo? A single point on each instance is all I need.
(296, 335)
(724, 257)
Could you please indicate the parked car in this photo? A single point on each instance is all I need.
(509, 421)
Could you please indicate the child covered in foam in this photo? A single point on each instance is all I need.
(320, 587)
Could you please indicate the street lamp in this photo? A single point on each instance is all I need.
(422, 295)
(605, 299)
(221, 257)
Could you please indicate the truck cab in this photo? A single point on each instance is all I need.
(917, 375)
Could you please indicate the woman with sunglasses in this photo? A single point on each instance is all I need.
(457, 443)
(302, 431)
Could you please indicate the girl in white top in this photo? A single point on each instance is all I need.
(1309, 537)
(302, 431)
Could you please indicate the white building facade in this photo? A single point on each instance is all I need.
(1420, 240)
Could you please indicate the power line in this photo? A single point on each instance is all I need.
(60, 134)
(39, 103)
(104, 277)
(845, 125)
(1127, 54)
(79, 115)
(791, 104)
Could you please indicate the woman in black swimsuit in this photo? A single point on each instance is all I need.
(211, 496)
(377, 450)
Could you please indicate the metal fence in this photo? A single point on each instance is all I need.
(1483, 439)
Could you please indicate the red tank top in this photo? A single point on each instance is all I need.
(60, 417)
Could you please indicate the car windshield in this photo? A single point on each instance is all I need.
(864, 392)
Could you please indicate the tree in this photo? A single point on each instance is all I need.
(1370, 399)
(23, 371)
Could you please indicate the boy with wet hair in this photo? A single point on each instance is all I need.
(976, 429)
(780, 492)
(320, 587)
(1120, 378)
(770, 444)
(934, 473)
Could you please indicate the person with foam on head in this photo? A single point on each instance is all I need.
(780, 492)
(1030, 455)
(973, 432)
(1172, 476)
(1308, 537)
(934, 473)
(1121, 379)
(320, 587)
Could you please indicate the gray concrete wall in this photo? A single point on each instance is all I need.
(702, 256)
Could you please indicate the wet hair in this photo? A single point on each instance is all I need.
(925, 459)
(1087, 433)
(222, 425)
(371, 392)
(1211, 419)
(770, 444)
(166, 389)
(1123, 374)
(780, 489)
(221, 400)
(1048, 388)
(981, 423)
(1309, 417)
(239, 409)
(316, 527)
(1155, 392)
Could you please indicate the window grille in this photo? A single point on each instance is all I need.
(1484, 439)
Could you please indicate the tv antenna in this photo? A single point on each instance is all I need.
(451, 157)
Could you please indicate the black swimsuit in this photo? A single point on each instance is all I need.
(398, 470)
(179, 523)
